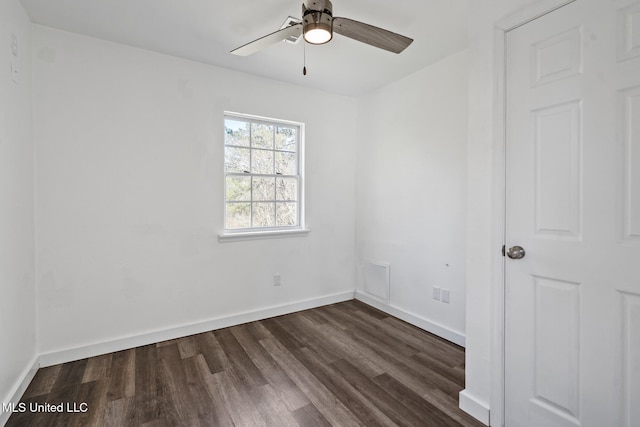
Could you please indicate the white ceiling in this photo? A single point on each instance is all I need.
(206, 30)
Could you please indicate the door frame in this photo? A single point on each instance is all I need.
(502, 27)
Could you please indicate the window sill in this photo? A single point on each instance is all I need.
(259, 235)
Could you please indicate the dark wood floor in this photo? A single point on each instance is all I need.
(345, 364)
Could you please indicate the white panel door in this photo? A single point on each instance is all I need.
(572, 319)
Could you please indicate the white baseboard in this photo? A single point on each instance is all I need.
(19, 388)
(474, 407)
(422, 323)
(96, 349)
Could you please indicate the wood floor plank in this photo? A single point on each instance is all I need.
(373, 333)
(249, 375)
(187, 347)
(64, 396)
(359, 306)
(223, 418)
(343, 390)
(148, 386)
(293, 323)
(167, 342)
(272, 409)
(70, 374)
(428, 413)
(120, 412)
(160, 422)
(387, 403)
(328, 318)
(449, 406)
(281, 333)
(309, 416)
(385, 363)
(257, 330)
(342, 342)
(403, 365)
(450, 373)
(121, 374)
(199, 398)
(97, 368)
(43, 381)
(307, 332)
(176, 399)
(448, 353)
(322, 398)
(287, 390)
(214, 355)
(239, 405)
(345, 364)
(96, 402)
(314, 316)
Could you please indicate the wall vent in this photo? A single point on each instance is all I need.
(376, 279)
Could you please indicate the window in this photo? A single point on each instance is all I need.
(263, 175)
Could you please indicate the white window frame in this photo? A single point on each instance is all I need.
(253, 233)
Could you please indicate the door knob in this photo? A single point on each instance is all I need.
(516, 252)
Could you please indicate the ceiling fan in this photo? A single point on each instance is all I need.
(318, 25)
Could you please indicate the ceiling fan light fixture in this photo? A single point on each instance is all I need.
(317, 24)
(317, 33)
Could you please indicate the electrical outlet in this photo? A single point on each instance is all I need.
(445, 296)
(276, 279)
(436, 293)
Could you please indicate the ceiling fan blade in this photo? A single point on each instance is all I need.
(294, 30)
(371, 35)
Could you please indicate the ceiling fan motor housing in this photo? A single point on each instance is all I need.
(317, 16)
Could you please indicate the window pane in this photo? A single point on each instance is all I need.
(236, 159)
(287, 189)
(264, 214)
(286, 163)
(262, 136)
(238, 188)
(264, 189)
(287, 214)
(286, 139)
(236, 132)
(238, 215)
(262, 162)
(262, 167)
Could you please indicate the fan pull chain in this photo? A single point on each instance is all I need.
(304, 58)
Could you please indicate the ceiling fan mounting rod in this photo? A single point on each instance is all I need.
(322, 6)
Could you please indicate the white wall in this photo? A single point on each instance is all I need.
(129, 151)
(17, 291)
(412, 192)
